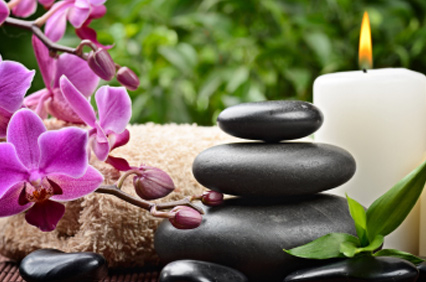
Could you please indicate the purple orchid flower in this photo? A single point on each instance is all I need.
(15, 80)
(4, 11)
(80, 13)
(39, 167)
(26, 8)
(50, 100)
(115, 110)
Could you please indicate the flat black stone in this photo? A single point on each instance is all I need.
(199, 271)
(50, 265)
(249, 234)
(271, 121)
(358, 269)
(262, 169)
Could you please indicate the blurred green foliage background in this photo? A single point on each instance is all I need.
(195, 58)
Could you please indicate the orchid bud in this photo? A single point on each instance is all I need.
(128, 78)
(185, 218)
(102, 64)
(212, 198)
(153, 183)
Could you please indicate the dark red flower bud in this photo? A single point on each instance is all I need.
(102, 64)
(128, 78)
(212, 198)
(153, 183)
(185, 218)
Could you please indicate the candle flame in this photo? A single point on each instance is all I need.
(365, 57)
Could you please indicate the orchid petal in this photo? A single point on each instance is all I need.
(114, 107)
(118, 140)
(85, 32)
(46, 3)
(118, 163)
(97, 2)
(57, 23)
(59, 107)
(78, 102)
(45, 215)
(98, 10)
(9, 201)
(45, 62)
(100, 144)
(11, 169)
(37, 102)
(4, 121)
(23, 132)
(79, 13)
(78, 72)
(63, 152)
(74, 188)
(4, 12)
(25, 8)
(15, 80)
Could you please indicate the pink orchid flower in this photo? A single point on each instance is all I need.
(115, 110)
(80, 13)
(39, 168)
(15, 80)
(50, 100)
(26, 8)
(4, 11)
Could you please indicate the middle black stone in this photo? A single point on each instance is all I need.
(269, 170)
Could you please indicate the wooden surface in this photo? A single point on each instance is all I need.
(9, 273)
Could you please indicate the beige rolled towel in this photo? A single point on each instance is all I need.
(105, 224)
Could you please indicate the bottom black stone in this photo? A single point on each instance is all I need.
(249, 235)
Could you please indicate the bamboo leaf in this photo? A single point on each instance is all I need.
(360, 219)
(325, 247)
(399, 254)
(390, 210)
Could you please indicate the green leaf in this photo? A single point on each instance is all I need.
(399, 254)
(348, 249)
(390, 210)
(360, 219)
(374, 245)
(325, 247)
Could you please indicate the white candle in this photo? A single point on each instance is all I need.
(380, 117)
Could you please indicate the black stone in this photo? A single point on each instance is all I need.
(364, 268)
(284, 169)
(271, 121)
(48, 265)
(422, 271)
(250, 234)
(199, 271)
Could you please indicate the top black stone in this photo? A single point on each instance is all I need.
(271, 121)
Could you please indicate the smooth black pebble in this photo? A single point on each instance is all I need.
(273, 170)
(364, 268)
(271, 121)
(199, 271)
(50, 265)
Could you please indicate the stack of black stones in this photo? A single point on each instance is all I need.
(277, 205)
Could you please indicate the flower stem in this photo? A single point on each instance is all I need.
(149, 206)
(52, 46)
(120, 181)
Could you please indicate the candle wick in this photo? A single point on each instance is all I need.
(364, 70)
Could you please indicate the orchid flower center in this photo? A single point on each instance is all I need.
(39, 193)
